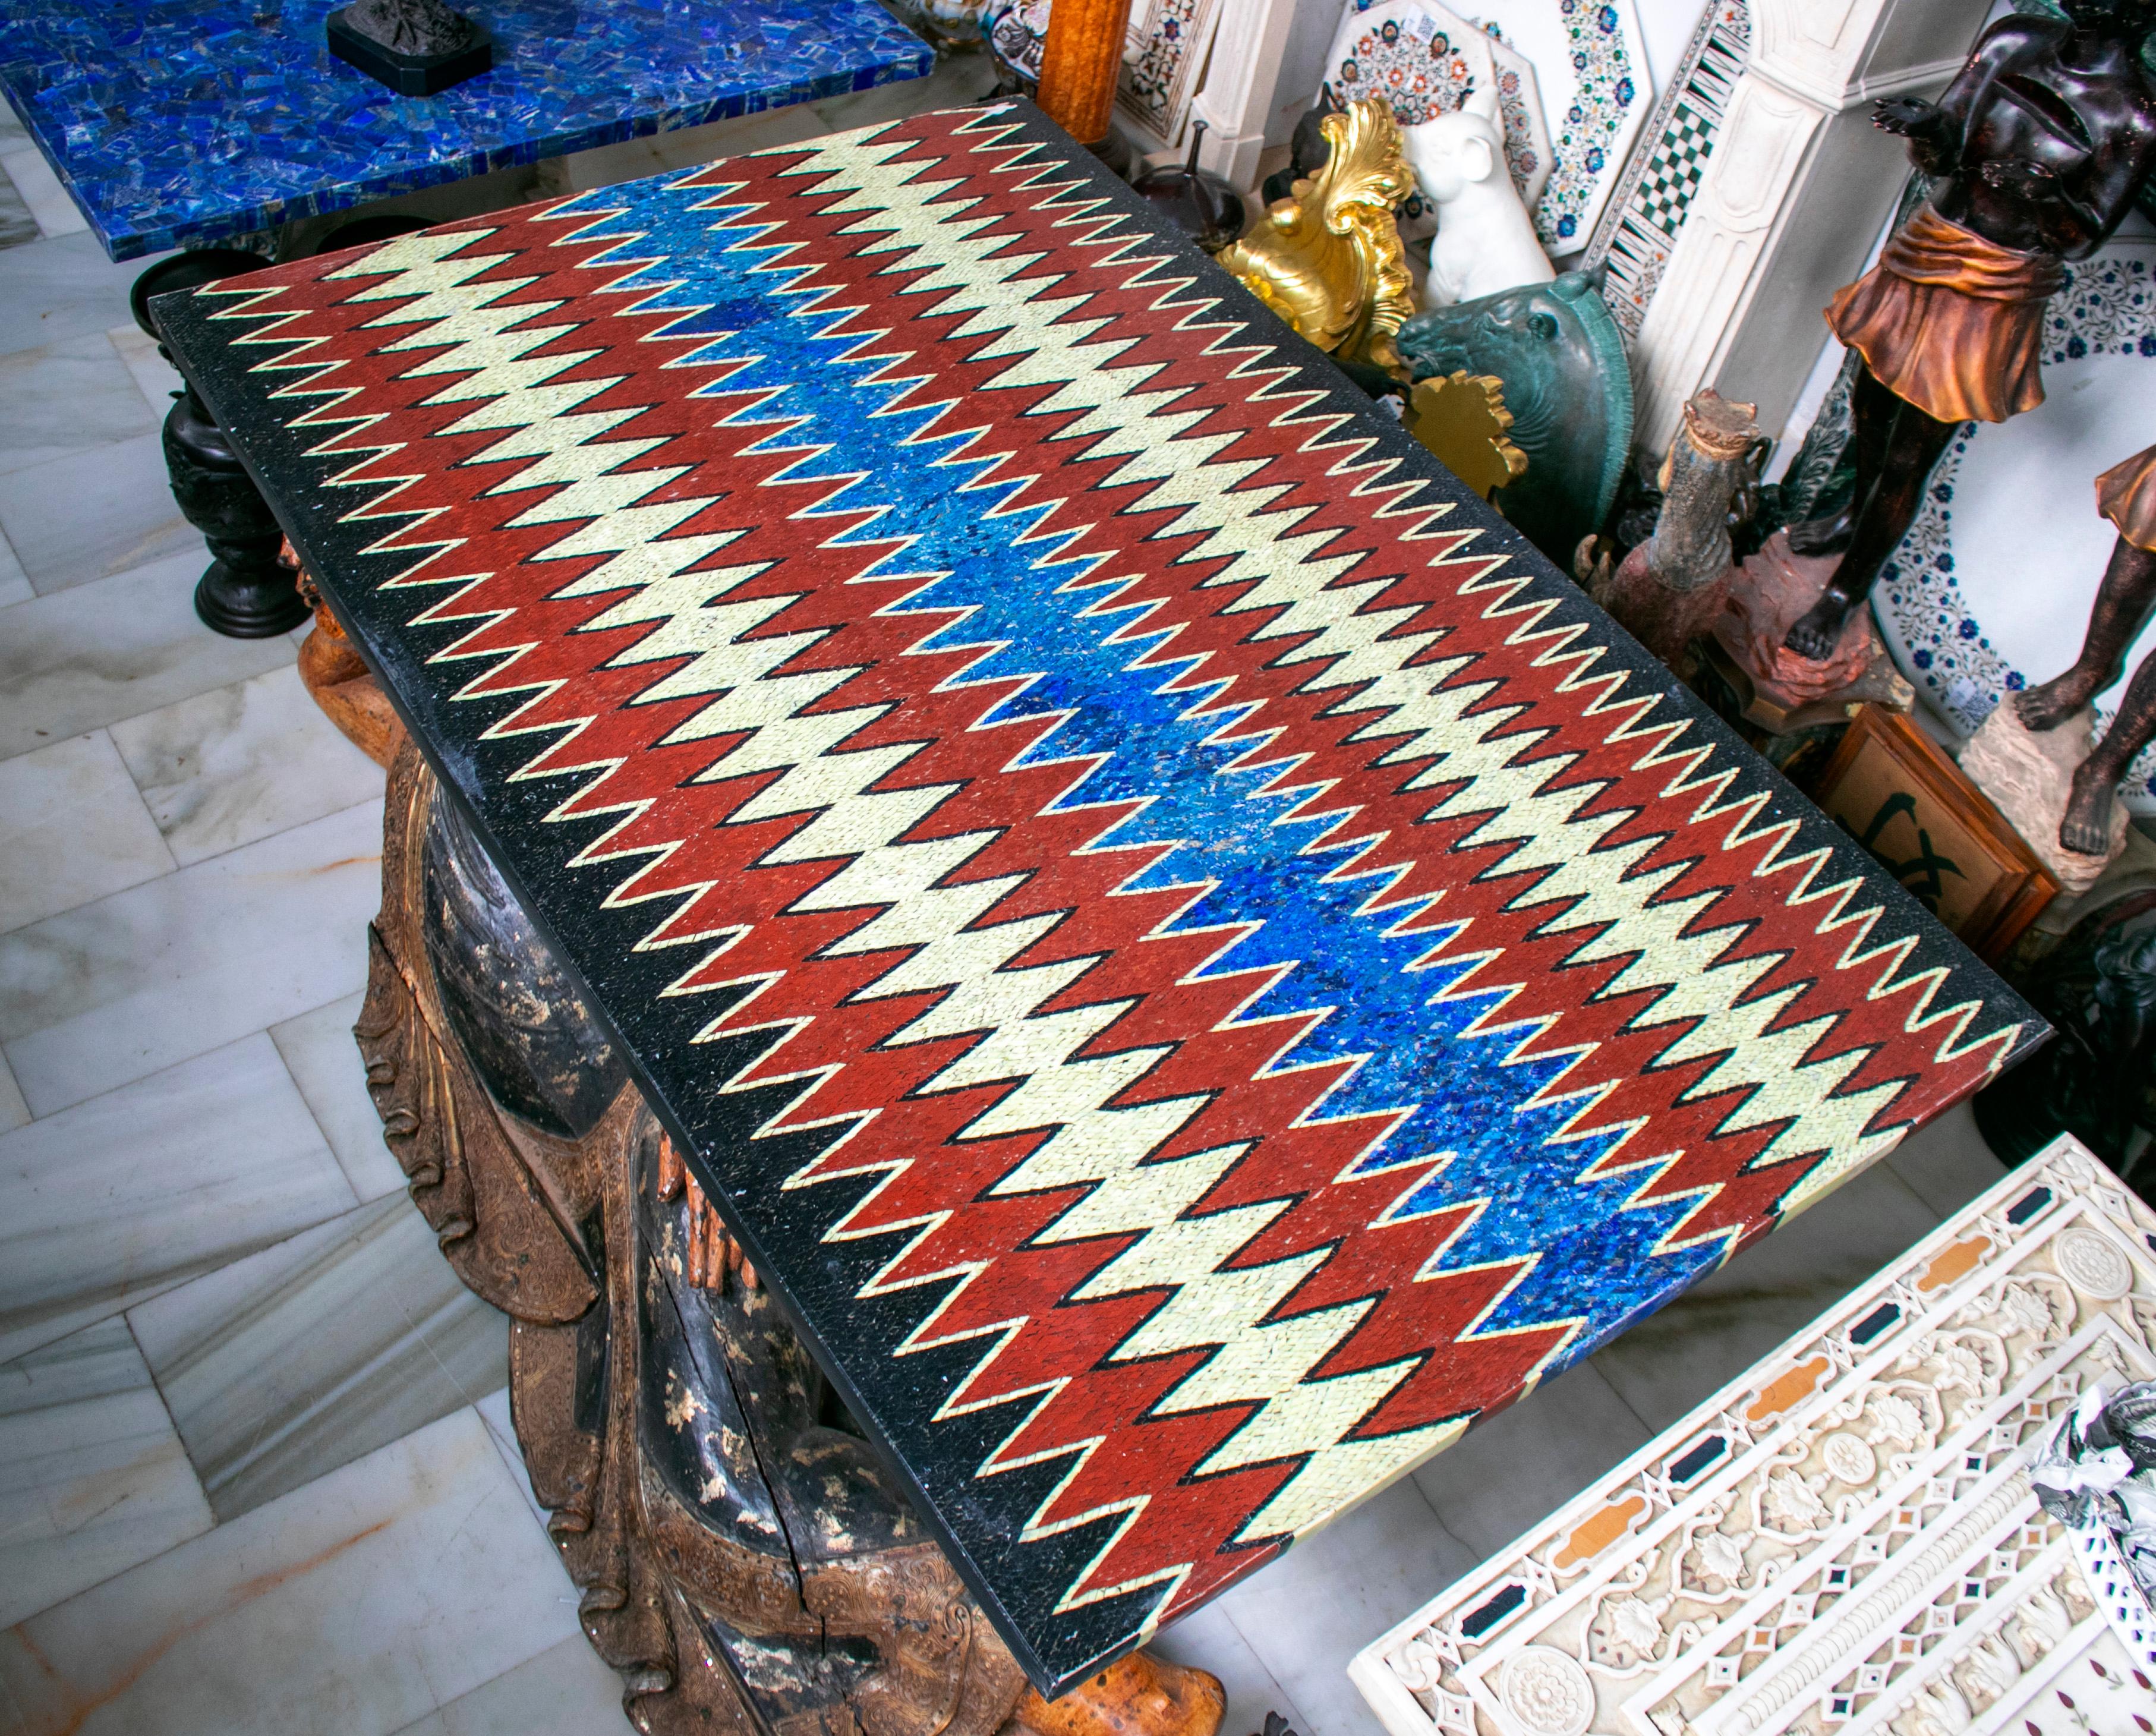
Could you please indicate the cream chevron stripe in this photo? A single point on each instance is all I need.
(900, 198)
(794, 726)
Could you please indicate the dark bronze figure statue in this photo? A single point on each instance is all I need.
(2039, 146)
(2126, 494)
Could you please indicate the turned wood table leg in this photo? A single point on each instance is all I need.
(743, 1559)
(244, 593)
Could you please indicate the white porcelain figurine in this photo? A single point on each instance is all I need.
(1486, 241)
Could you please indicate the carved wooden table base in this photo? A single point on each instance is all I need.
(745, 1562)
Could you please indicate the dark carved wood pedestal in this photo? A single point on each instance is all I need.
(245, 593)
(745, 1561)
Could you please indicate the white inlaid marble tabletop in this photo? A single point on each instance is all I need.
(1843, 1539)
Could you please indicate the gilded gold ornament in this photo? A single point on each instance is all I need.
(1327, 260)
(1462, 419)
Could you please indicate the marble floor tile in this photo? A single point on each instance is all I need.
(14, 582)
(240, 761)
(99, 653)
(324, 1059)
(40, 189)
(1673, 1360)
(14, 1112)
(314, 1352)
(1514, 1471)
(494, 1411)
(91, 514)
(1208, 1640)
(105, 1205)
(93, 1480)
(1306, 1613)
(354, 1607)
(565, 1690)
(155, 378)
(16, 224)
(60, 287)
(117, 989)
(72, 396)
(72, 828)
(1947, 1164)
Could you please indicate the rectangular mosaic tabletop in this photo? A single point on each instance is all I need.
(1196, 962)
(175, 121)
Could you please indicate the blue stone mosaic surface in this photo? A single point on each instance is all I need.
(175, 121)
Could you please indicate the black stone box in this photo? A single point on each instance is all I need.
(410, 74)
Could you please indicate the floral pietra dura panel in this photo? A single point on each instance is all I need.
(1196, 964)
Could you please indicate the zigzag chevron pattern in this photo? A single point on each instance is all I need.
(1198, 967)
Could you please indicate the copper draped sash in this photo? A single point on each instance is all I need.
(1951, 323)
(2126, 494)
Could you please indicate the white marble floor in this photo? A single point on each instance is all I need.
(255, 1469)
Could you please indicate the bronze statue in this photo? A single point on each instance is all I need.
(2039, 146)
(2126, 494)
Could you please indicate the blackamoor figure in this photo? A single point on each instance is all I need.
(2039, 146)
(2126, 494)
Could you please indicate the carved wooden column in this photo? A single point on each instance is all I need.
(1079, 65)
(1796, 191)
(746, 1562)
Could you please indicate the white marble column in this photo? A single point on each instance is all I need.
(1792, 199)
(1267, 59)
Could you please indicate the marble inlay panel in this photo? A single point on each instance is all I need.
(58, 288)
(356, 1605)
(72, 828)
(324, 1059)
(189, 121)
(116, 989)
(1669, 1362)
(310, 1353)
(565, 1690)
(101, 652)
(91, 514)
(93, 1480)
(106, 1203)
(67, 397)
(239, 763)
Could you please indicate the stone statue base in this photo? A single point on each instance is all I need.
(2029, 778)
(1781, 691)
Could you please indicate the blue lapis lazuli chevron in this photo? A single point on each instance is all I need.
(1196, 963)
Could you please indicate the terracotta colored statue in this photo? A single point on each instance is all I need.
(2038, 144)
(2126, 494)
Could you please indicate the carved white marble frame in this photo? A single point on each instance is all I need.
(1266, 67)
(1792, 199)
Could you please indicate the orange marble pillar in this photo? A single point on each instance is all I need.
(1078, 63)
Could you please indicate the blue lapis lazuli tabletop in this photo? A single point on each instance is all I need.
(179, 121)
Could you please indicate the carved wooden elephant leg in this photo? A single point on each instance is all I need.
(745, 1562)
